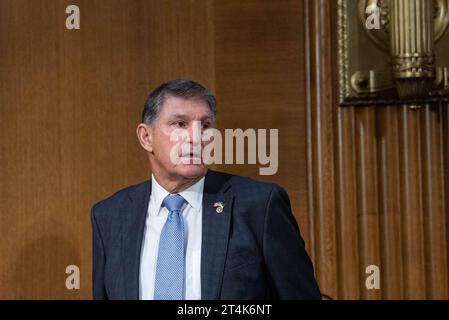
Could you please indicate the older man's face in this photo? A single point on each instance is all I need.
(177, 115)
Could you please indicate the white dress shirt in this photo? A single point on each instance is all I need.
(156, 217)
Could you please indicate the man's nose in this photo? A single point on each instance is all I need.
(195, 133)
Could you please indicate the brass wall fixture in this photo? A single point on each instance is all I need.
(393, 51)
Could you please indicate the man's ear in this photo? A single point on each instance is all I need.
(145, 136)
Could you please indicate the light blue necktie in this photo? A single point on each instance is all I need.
(169, 284)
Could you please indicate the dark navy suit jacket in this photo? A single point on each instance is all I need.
(252, 250)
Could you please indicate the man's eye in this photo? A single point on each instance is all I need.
(180, 124)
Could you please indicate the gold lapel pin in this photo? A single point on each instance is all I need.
(218, 207)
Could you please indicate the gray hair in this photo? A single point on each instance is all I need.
(186, 89)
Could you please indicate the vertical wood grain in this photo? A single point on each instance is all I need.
(71, 100)
(394, 162)
(367, 209)
(445, 123)
(260, 80)
(390, 211)
(391, 183)
(411, 204)
(346, 193)
(321, 145)
(434, 203)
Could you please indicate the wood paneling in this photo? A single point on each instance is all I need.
(346, 209)
(389, 207)
(411, 204)
(321, 178)
(260, 81)
(367, 198)
(70, 103)
(389, 166)
(434, 202)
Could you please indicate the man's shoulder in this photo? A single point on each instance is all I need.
(117, 198)
(248, 184)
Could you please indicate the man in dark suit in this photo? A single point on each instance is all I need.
(190, 232)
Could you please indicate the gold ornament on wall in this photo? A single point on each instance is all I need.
(393, 51)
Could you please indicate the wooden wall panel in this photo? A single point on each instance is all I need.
(367, 194)
(393, 161)
(320, 166)
(411, 204)
(70, 103)
(346, 210)
(260, 81)
(445, 124)
(389, 206)
(434, 202)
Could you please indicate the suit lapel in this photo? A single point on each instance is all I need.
(133, 223)
(215, 234)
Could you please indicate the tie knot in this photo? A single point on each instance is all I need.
(173, 202)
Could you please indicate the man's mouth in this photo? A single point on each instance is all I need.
(191, 158)
(191, 155)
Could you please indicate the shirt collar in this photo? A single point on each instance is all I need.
(193, 194)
